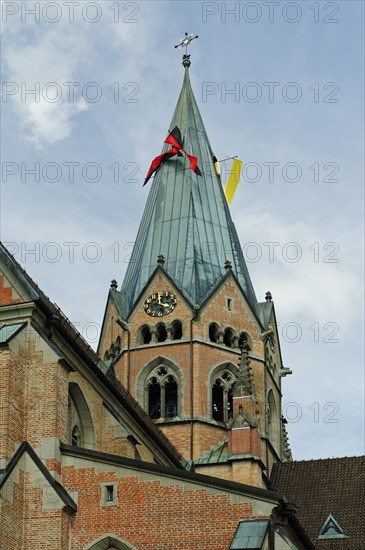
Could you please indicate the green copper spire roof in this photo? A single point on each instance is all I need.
(187, 218)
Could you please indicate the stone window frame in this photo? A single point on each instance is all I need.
(150, 371)
(104, 493)
(236, 336)
(153, 331)
(109, 540)
(217, 374)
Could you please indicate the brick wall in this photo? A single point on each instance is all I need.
(156, 513)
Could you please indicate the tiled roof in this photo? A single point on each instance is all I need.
(322, 487)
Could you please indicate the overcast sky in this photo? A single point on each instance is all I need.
(105, 79)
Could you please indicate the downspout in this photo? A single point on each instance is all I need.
(195, 314)
(266, 418)
(125, 327)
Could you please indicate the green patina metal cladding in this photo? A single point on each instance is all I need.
(187, 219)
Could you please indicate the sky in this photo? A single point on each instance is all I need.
(88, 93)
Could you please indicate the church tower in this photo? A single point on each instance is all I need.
(185, 333)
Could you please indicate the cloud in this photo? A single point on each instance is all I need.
(309, 274)
(33, 60)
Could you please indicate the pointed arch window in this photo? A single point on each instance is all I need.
(145, 335)
(154, 399)
(161, 333)
(222, 396)
(170, 397)
(244, 341)
(213, 332)
(273, 420)
(228, 337)
(162, 393)
(218, 401)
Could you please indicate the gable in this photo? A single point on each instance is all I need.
(160, 282)
(11, 290)
(26, 464)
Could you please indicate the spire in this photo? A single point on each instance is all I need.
(245, 384)
(187, 218)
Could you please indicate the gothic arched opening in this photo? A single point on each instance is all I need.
(81, 428)
(218, 401)
(161, 333)
(213, 332)
(228, 337)
(154, 399)
(244, 341)
(170, 397)
(145, 335)
(176, 330)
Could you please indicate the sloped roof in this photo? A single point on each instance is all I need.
(322, 487)
(187, 218)
(25, 447)
(92, 359)
(219, 453)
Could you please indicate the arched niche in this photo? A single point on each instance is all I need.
(81, 428)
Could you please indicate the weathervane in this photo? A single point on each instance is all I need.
(186, 41)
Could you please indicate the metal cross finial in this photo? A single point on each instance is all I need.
(186, 41)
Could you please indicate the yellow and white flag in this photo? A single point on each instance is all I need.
(233, 179)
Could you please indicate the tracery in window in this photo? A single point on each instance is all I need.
(222, 396)
(162, 392)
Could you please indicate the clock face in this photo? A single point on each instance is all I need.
(160, 304)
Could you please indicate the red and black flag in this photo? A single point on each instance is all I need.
(175, 139)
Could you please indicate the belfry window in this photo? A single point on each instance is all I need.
(213, 332)
(177, 330)
(154, 399)
(244, 341)
(161, 333)
(162, 392)
(145, 335)
(230, 403)
(228, 337)
(222, 396)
